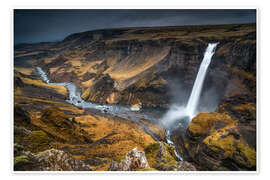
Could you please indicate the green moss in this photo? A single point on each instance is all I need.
(37, 141)
(18, 138)
(20, 159)
(169, 155)
(250, 153)
(204, 122)
(231, 146)
(150, 149)
(152, 153)
(119, 158)
(219, 142)
(18, 146)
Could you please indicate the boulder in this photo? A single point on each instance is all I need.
(161, 157)
(226, 139)
(134, 160)
(49, 160)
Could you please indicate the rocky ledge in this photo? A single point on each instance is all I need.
(49, 160)
(223, 140)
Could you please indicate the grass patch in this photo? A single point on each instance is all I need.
(20, 159)
(59, 89)
(37, 141)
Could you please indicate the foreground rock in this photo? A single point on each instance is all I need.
(157, 157)
(93, 138)
(49, 160)
(134, 160)
(161, 157)
(226, 139)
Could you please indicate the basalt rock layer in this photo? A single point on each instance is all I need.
(141, 67)
(89, 140)
(225, 139)
(140, 64)
(49, 160)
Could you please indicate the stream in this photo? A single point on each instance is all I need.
(74, 98)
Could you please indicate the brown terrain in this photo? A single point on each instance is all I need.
(135, 66)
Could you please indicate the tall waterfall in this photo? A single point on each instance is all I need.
(190, 110)
(197, 87)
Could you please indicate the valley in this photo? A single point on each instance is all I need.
(97, 100)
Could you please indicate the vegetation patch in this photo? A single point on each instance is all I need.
(204, 122)
(39, 83)
(37, 141)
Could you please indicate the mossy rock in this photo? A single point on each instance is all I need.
(119, 158)
(203, 123)
(22, 163)
(18, 149)
(37, 141)
(20, 159)
(161, 156)
(233, 148)
(152, 148)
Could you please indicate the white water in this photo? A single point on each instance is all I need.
(171, 143)
(75, 96)
(174, 113)
(124, 112)
(190, 110)
(193, 101)
(117, 110)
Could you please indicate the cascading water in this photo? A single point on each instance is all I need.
(190, 110)
(174, 113)
(193, 101)
(117, 110)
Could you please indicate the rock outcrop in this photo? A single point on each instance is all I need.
(140, 63)
(223, 140)
(140, 66)
(135, 160)
(49, 160)
(161, 157)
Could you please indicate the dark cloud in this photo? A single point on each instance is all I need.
(54, 25)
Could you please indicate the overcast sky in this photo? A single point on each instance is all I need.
(54, 25)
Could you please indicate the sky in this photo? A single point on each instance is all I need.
(32, 26)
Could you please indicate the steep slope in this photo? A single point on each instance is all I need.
(148, 67)
(222, 140)
(147, 59)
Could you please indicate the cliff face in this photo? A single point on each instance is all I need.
(149, 67)
(222, 140)
(140, 63)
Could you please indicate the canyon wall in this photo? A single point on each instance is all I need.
(141, 65)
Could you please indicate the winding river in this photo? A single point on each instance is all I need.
(129, 113)
(74, 97)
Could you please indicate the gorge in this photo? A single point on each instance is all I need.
(185, 101)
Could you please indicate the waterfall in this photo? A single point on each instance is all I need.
(43, 75)
(180, 113)
(197, 87)
(173, 114)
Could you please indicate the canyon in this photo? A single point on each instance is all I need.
(95, 96)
